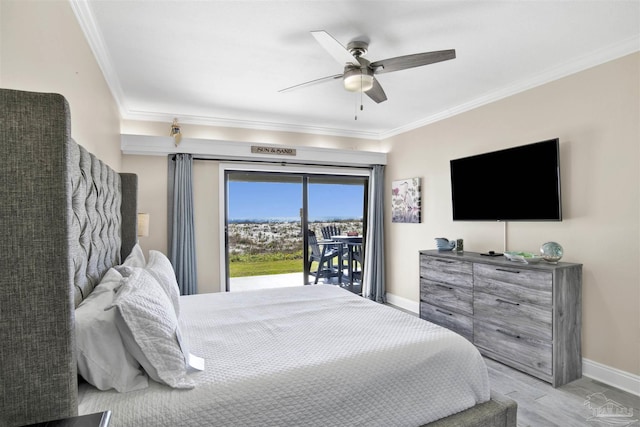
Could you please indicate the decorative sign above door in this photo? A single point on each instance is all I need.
(258, 149)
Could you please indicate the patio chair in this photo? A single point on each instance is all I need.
(330, 230)
(355, 266)
(334, 230)
(323, 255)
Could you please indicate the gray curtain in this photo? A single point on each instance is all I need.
(181, 232)
(374, 286)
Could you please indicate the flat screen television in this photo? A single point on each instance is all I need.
(516, 184)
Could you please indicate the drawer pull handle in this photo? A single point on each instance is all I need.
(444, 286)
(508, 334)
(446, 261)
(443, 312)
(508, 271)
(508, 302)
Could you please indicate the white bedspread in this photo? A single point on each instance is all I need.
(306, 356)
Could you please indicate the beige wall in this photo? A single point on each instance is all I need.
(152, 199)
(596, 115)
(44, 50)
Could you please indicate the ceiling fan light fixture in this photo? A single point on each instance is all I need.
(357, 80)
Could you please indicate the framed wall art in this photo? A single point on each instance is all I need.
(406, 201)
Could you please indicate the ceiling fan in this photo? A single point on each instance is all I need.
(359, 73)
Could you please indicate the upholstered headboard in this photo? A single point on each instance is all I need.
(66, 219)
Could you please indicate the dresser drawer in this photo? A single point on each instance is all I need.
(456, 322)
(505, 311)
(456, 298)
(443, 270)
(532, 353)
(533, 284)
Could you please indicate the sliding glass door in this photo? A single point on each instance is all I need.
(268, 216)
(263, 229)
(336, 215)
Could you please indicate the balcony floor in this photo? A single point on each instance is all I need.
(239, 284)
(248, 283)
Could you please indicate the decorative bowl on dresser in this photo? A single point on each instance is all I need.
(527, 316)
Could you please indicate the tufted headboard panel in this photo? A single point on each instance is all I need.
(64, 223)
(95, 223)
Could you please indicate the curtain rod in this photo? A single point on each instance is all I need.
(276, 163)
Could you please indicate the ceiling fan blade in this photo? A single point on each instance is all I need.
(376, 93)
(312, 82)
(410, 61)
(335, 49)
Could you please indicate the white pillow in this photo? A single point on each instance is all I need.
(148, 326)
(135, 258)
(103, 360)
(161, 269)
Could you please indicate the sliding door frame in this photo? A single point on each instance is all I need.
(224, 167)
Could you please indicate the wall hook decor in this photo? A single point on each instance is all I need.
(175, 132)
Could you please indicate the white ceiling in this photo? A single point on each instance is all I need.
(223, 62)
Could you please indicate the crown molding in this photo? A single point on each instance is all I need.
(84, 15)
(246, 124)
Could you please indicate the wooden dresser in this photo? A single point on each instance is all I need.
(527, 316)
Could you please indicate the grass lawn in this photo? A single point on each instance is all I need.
(261, 268)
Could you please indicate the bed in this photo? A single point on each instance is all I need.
(310, 355)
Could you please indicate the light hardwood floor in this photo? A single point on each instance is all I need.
(539, 404)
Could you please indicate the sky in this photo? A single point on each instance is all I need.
(269, 200)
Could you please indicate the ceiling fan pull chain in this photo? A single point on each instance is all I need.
(356, 105)
(355, 109)
(361, 91)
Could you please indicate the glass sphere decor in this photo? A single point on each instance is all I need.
(551, 252)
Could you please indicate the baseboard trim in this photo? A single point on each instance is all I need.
(404, 303)
(614, 377)
(617, 378)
